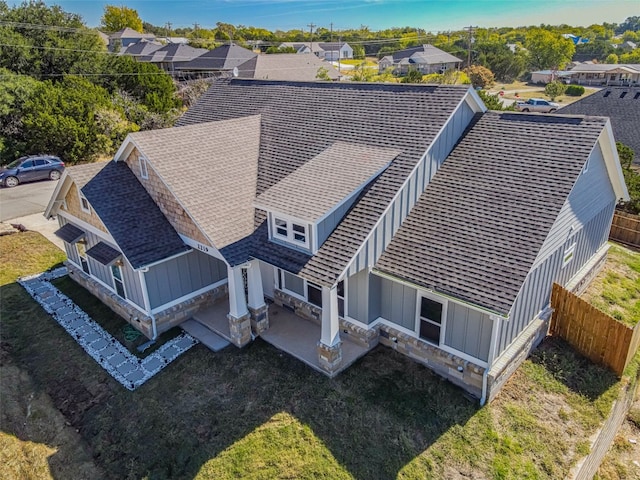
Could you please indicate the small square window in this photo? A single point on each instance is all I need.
(281, 227)
(84, 204)
(569, 253)
(299, 233)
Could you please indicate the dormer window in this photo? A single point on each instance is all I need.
(84, 203)
(291, 231)
(306, 206)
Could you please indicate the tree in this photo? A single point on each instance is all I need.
(480, 76)
(612, 58)
(631, 23)
(275, 49)
(554, 89)
(117, 18)
(358, 52)
(631, 178)
(323, 74)
(548, 50)
(412, 76)
(493, 102)
(506, 65)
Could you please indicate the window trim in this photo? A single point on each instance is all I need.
(289, 238)
(443, 320)
(82, 255)
(569, 254)
(281, 285)
(114, 280)
(144, 168)
(83, 199)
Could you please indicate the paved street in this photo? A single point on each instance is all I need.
(25, 199)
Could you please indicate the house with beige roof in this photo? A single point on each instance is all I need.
(297, 213)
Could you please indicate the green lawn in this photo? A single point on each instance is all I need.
(258, 413)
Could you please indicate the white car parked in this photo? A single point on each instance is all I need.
(537, 105)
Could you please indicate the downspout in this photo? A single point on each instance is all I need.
(485, 377)
(492, 355)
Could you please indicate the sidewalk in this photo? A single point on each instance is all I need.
(37, 223)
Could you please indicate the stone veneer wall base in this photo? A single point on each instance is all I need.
(240, 329)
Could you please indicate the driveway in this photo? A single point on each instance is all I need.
(25, 199)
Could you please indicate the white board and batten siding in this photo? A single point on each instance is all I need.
(584, 220)
(182, 275)
(408, 195)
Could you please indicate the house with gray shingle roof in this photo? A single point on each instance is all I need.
(127, 36)
(219, 60)
(286, 66)
(329, 51)
(298, 212)
(621, 105)
(172, 56)
(425, 59)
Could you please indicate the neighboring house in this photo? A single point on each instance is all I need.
(436, 231)
(126, 37)
(605, 74)
(547, 76)
(329, 51)
(621, 105)
(286, 66)
(219, 60)
(173, 56)
(425, 59)
(182, 40)
(625, 46)
(141, 49)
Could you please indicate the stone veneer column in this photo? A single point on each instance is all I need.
(330, 347)
(258, 309)
(239, 317)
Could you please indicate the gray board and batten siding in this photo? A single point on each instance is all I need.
(412, 189)
(180, 276)
(584, 219)
(132, 286)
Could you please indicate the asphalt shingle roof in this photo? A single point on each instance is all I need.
(211, 168)
(81, 174)
(130, 215)
(621, 105)
(69, 233)
(141, 48)
(300, 120)
(285, 66)
(173, 52)
(326, 180)
(103, 253)
(223, 58)
(478, 227)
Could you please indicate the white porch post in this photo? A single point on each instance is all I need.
(258, 309)
(330, 322)
(239, 323)
(329, 346)
(237, 303)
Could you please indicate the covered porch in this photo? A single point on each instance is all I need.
(299, 338)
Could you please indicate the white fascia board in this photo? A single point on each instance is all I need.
(475, 102)
(125, 149)
(57, 197)
(612, 162)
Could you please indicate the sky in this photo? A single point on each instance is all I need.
(430, 15)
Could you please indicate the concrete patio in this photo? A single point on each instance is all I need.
(287, 332)
(299, 337)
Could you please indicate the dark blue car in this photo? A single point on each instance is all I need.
(31, 168)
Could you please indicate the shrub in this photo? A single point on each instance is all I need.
(575, 90)
(555, 89)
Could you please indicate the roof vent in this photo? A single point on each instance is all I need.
(636, 96)
(623, 94)
(607, 93)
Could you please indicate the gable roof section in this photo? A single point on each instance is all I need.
(134, 221)
(621, 105)
(478, 227)
(323, 182)
(76, 174)
(225, 57)
(140, 48)
(173, 52)
(128, 32)
(285, 66)
(300, 120)
(211, 169)
(432, 55)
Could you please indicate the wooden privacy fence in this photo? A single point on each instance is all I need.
(594, 334)
(625, 228)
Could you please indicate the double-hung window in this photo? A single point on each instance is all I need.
(81, 248)
(118, 280)
(431, 314)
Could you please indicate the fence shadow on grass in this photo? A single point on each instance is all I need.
(572, 369)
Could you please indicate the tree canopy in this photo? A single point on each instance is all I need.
(548, 50)
(115, 19)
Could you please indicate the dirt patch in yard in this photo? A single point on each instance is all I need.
(36, 440)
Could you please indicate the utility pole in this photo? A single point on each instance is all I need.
(195, 29)
(331, 25)
(311, 27)
(168, 25)
(471, 31)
